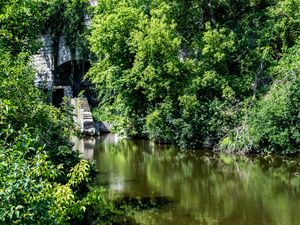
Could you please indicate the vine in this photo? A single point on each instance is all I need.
(67, 18)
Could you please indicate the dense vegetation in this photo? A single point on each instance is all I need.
(193, 73)
(43, 181)
(200, 73)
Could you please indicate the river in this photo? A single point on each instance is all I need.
(197, 187)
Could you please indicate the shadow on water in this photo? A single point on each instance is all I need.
(170, 186)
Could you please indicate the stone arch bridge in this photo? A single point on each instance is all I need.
(65, 77)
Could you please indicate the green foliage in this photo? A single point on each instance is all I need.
(20, 23)
(24, 182)
(284, 21)
(133, 48)
(270, 125)
(156, 68)
(187, 72)
(35, 151)
(67, 18)
(273, 123)
(217, 43)
(28, 192)
(49, 125)
(42, 178)
(43, 181)
(162, 115)
(142, 73)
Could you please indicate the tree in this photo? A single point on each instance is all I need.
(272, 124)
(20, 24)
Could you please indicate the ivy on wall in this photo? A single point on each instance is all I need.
(67, 18)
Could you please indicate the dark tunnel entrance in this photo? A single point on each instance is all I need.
(71, 73)
(58, 95)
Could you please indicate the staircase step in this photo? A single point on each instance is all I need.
(85, 119)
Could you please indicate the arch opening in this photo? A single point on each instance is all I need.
(71, 74)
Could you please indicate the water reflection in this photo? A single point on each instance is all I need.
(206, 188)
(86, 147)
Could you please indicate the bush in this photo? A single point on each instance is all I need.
(28, 191)
(272, 125)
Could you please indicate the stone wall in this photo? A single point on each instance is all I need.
(93, 2)
(64, 53)
(43, 61)
(43, 64)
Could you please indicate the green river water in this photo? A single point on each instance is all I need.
(198, 187)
